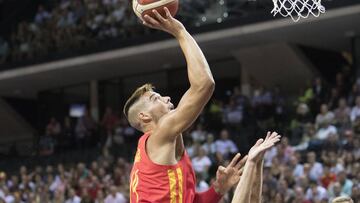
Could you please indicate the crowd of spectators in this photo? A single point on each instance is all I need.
(317, 159)
(77, 25)
(69, 25)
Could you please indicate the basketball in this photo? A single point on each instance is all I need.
(145, 7)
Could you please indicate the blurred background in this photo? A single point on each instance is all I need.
(68, 66)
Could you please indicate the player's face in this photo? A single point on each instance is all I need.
(158, 105)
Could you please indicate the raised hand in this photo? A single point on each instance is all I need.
(227, 177)
(167, 24)
(257, 152)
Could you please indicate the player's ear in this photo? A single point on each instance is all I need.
(144, 117)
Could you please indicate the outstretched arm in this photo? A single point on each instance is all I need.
(201, 80)
(256, 192)
(243, 190)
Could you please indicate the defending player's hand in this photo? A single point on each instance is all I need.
(256, 152)
(227, 177)
(167, 24)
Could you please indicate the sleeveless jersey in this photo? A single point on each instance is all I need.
(154, 183)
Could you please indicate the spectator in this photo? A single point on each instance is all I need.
(306, 95)
(54, 127)
(239, 98)
(298, 124)
(324, 116)
(298, 168)
(261, 103)
(201, 163)
(42, 15)
(73, 198)
(316, 168)
(198, 135)
(284, 189)
(335, 191)
(224, 145)
(201, 185)
(325, 130)
(233, 114)
(355, 92)
(346, 184)
(355, 111)
(209, 146)
(355, 194)
(115, 196)
(316, 193)
(119, 12)
(300, 196)
(328, 177)
(342, 113)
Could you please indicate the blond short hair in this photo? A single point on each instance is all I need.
(132, 101)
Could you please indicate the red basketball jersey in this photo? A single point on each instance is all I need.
(154, 183)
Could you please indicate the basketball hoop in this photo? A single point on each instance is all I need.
(297, 9)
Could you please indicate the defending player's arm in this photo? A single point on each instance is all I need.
(256, 193)
(243, 190)
(201, 80)
(257, 184)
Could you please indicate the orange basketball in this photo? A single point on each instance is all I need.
(145, 7)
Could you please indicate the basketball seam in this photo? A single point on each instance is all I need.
(140, 8)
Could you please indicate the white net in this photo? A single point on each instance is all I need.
(297, 9)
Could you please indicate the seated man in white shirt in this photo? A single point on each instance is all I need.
(201, 163)
(224, 145)
(316, 168)
(325, 130)
(73, 198)
(114, 196)
(316, 193)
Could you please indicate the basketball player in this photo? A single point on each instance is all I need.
(249, 188)
(162, 171)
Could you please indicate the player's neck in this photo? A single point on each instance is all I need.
(149, 127)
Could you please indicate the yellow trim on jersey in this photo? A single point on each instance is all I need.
(172, 183)
(133, 185)
(137, 156)
(180, 178)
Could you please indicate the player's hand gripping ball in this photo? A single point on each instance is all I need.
(145, 7)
